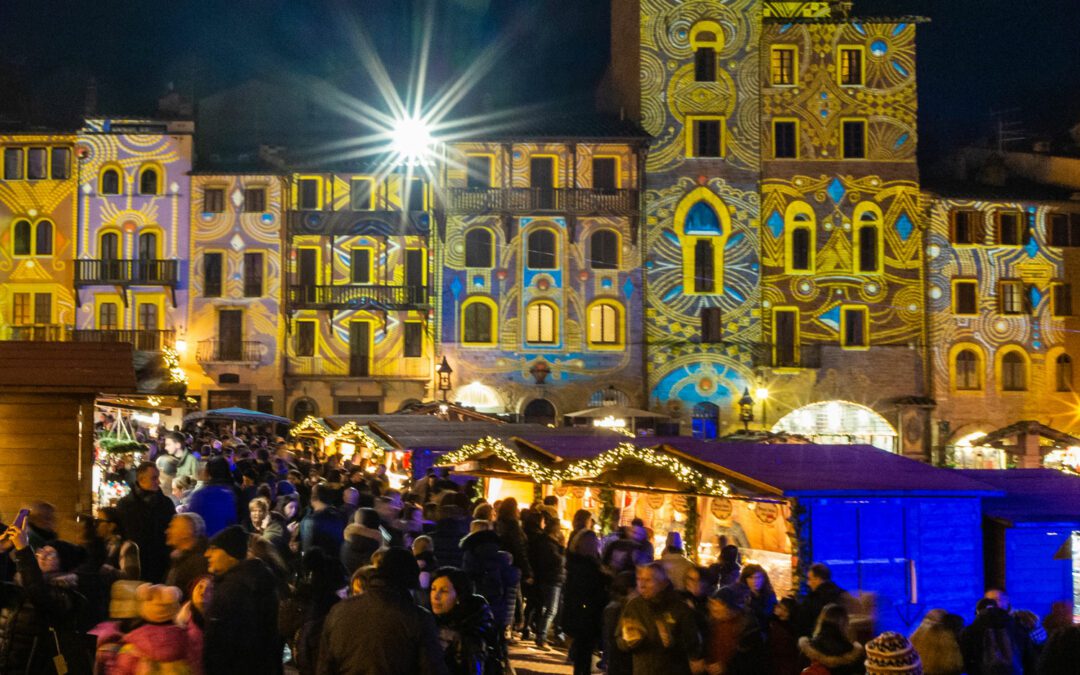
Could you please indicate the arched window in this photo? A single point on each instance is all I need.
(20, 237)
(868, 238)
(967, 371)
(479, 248)
(1063, 372)
(541, 323)
(304, 408)
(539, 411)
(43, 238)
(800, 249)
(701, 219)
(148, 316)
(542, 250)
(704, 219)
(110, 246)
(704, 269)
(1013, 371)
(110, 182)
(799, 224)
(148, 246)
(148, 182)
(604, 250)
(107, 316)
(478, 322)
(605, 324)
(705, 420)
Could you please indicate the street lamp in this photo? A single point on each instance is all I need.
(746, 409)
(762, 394)
(445, 371)
(411, 138)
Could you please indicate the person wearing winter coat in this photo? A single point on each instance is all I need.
(782, 642)
(545, 554)
(217, 500)
(408, 642)
(823, 592)
(39, 610)
(269, 525)
(584, 599)
(324, 524)
(187, 537)
(466, 626)
(830, 646)
(158, 643)
(450, 527)
(658, 627)
(316, 594)
(492, 574)
(615, 661)
(757, 593)
(241, 617)
(144, 514)
(937, 645)
(512, 536)
(675, 561)
(726, 570)
(735, 644)
(996, 643)
(192, 618)
(363, 537)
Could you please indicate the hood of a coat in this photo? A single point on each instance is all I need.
(475, 540)
(853, 655)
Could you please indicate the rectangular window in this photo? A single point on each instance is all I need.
(705, 64)
(707, 138)
(214, 200)
(785, 337)
(1065, 229)
(253, 275)
(307, 194)
(42, 308)
(966, 227)
(1011, 229)
(414, 339)
(712, 330)
(20, 309)
(416, 195)
(212, 275)
(783, 66)
(360, 266)
(305, 338)
(605, 173)
(1062, 300)
(61, 163)
(13, 164)
(254, 200)
(37, 163)
(854, 333)
(1011, 295)
(785, 139)
(264, 404)
(851, 66)
(965, 297)
(854, 140)
(478, 172)
(362, 194)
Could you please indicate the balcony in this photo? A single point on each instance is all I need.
(357, 367)
(38, 332)
(127, 272)
(355, 223)
(249, 352)
(573, 201)
(141, 340)
(355, 296)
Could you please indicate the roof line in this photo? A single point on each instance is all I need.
(772, 489)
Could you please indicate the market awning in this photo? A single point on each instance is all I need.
(237, 415)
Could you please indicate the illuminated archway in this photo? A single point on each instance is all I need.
(479, 397)
(967, 453)
(839, 423)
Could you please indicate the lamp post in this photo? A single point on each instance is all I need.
(762, 394)
(444, 371)
(746, 409)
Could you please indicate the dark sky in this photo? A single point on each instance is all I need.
(976, 56)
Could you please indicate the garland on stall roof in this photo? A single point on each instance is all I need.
(312, 424)
(693, 529)
(607, 511)
(538, 472)
(703, 484)
(171, 358)
(353, 431)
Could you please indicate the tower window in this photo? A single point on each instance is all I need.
(214, 200)
(604, 250)
(707, 138)
(1062, 300)
(1012, 230)
(1012, 297)
(254, 200)
(712, 328)
(851, 66)
(800, 249)
(541, 250)
(965, 297)
(854, 140)
(782, 66)
(785, 139)
(966, 227)
(705, 64)
(704, 267)
(967, 371)
(855, 327)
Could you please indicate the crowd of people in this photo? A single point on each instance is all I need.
(244, 553)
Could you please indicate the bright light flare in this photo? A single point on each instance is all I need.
(412, 139)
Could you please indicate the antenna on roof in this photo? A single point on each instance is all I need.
(1007, 128)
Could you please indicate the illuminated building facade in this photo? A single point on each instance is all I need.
(782, 236)
(132, 244)
(37, 235)
(236, 327)
(541, 288)
(1001, 311)
(357, 292)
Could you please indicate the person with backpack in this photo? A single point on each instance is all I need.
(995, 644)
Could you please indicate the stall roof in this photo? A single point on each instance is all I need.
(420, 432)
(791, 469)
(66, 367)
(1031, 495)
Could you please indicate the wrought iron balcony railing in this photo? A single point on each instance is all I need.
(576, 201)
(127, 272)
(230, 351)
(357, 296)
(142, 340)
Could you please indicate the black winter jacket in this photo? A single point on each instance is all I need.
(490, 569)
(513, 540)
(404, 643)
(584, 597)
(242, 622)
(546, 559)
(465, 634)
(445, 537)
(143, 517)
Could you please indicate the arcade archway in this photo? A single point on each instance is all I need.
(839, 423)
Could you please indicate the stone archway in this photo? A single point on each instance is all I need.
(839, 423)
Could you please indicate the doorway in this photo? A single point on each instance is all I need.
(539, 411)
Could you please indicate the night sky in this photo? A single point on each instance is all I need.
(976, 56)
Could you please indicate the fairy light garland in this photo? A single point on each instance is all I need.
(538, 472)
(589, 468)
(313, 425)
(353, 432)
(172, 364)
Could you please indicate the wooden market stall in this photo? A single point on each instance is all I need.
(47, 421)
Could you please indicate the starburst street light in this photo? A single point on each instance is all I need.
(412, 140)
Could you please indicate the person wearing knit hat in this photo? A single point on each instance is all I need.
(891, 654)
(157, 603)
(231, 542)
(159, 644)
(123, 600)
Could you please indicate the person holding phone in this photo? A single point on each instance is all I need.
(38, 612)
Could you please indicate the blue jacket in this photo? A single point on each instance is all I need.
(216, 503)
